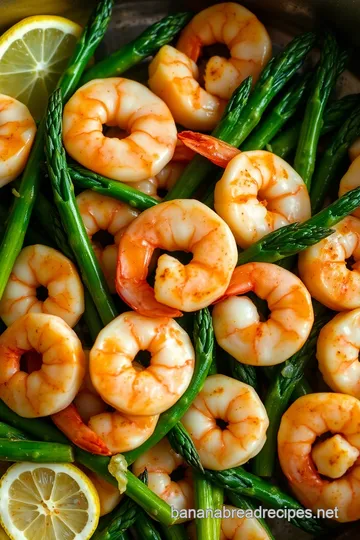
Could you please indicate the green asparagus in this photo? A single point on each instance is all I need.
(145, 528)
(118, 521)
(23, 205)
(279, 115)
(38, 452)
(326, 172)
(176, 532)
(145, 45)
(204, 344)
(310, 131)
(65, 201)
(243, 372)
(86, 179)
(295, 237)
(301, 389)
(11, 433)
(246, 504)
(280, 391)
(207, 526)
(182, 443)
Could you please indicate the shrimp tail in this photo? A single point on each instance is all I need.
(215, 150)
(241, 282)
(70, 423)
(182, 153)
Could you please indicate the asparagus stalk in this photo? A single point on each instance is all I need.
(118, 521)
(23, 205)
(310, 131)
(243, 372)
(279, 115)
(301, 389)
(38, 452)
(176, 532)
(199, 167)
(11, 433)
(86, 179)
(145, 527)
(295, 237)
(280, 391)
(65, 201)
(243, 483)
(154, 37)
(182, 443)
(246, 504)
(207, 497)
(204, 345)
(328, 167)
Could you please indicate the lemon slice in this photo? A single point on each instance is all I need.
(3, 535)
(48, 501)
(33, 55)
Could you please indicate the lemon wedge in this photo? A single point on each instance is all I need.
(33, 55)
(51, 500)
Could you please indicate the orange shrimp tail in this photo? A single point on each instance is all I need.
(241, 282)
(182, 153)
(70, 423)
(218, 152)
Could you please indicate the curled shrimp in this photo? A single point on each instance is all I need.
(351, 180)
(182, 224)
(160, 462)
(239, 527)
(239, 406)
(324, 269)
(323, 474)
(134, 108)
(134, 390)
(237, 324)
(43, 267)
(246, 37)
(17, 133)
(51, 388)
(102, 213)
(338, 353)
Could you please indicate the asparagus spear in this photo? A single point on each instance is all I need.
(154, 37)
(301, 389)
(65, 201)
(279, 115)
(243, 372)
(21, 212)
(328, 167)
(207, 497)
(199, 167)
(246, 504)
(242, 483)
(325, 79)
(145, 527)
(280, 391)
(182, 443)
(38, 452)
(11, 433)
(295, 237)
(176, 532)
(118, 521)
(204, 344)
(86, 179)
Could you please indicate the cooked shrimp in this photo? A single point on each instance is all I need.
(174, 77)
(54, 386)
(89, 424)
(43, 267)
(237, 404)
(338, 353)
(134, 108)
(101, 213)
(354, 150)
(134, 390)
(182, 224)
(258, 193)
(241, 528)
(351, 180)
(109, 495)
(17, 132)
(325, 271)
(160, 462)
(305, 465)
(246, 37)
(237, 325)
(218, 152)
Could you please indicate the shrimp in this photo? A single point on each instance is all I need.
(141, 391)
(351, 180)
(237, 324)
(306, 465)
(160, 462)
(17, 133)
(246, 37)
(354, 150)
(51, 388)
(39, 267)
(174, 77)
(218, 152)
(102, 213)
(239, 527)
(324, 270)
(109, 495)
(88, 423)
(134, 108)
(239, 406)
(258, 193)
(338, 353)
(177, 287)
